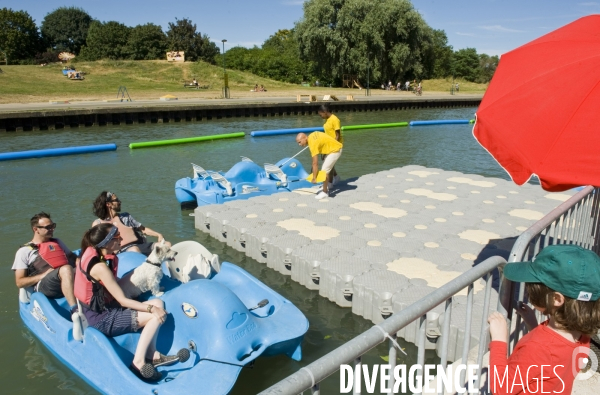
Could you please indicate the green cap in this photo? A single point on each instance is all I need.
(569, 269)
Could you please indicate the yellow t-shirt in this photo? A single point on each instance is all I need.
(331, 125)
(321, 143)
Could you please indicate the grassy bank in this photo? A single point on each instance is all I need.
(153, 79)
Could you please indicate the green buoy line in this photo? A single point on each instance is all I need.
(375, 126)
(187, 140)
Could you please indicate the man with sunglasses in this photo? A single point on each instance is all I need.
(45, 263)
(107, 207)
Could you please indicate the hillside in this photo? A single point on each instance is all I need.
(155, 78)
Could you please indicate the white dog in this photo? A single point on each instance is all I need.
(147, 276)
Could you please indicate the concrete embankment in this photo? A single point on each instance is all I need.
(51, 116)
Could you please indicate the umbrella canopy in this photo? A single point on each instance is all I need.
(541, 112)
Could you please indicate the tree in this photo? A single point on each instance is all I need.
(19, 36)
(281, 58)
(487, 67)
(106, 40)
(437, 56)
(182, 36)
(147, 42)
(466, 64)
(278, 59)
(66, 29)
(349, 36)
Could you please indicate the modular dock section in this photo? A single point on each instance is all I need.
(384, 240)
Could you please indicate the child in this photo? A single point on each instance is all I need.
(563, 282)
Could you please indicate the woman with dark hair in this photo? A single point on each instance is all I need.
(108, 310)
(107, 208)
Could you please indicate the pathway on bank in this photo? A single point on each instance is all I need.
(92, 105)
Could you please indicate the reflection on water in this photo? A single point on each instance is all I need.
(49, 372)
(144, 180)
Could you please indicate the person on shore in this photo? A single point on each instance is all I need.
(107, 208)
(333, 128)
(45, 262)
(407, 85)
(563, 282)
(321, 143)
(106, 307)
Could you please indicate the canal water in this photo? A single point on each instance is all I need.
(144, 179)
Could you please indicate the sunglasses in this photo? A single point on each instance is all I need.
(114, 200)
(47, 227)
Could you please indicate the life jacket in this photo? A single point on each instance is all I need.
(90, 292)
(129, 234)
(50, 254)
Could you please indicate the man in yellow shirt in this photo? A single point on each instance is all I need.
(332, 128)
(321, 143)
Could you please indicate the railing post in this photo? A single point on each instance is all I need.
(467, 340)
(483, 334)
(393, 353)
(421, 350)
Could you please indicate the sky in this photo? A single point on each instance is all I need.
(490, 26)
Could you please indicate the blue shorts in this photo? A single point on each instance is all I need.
(114, 321)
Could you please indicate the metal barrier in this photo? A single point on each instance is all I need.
(575, 221)
(351, 352)
(572, 222)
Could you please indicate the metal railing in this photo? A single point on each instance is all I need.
(351, 352)
(575, 221)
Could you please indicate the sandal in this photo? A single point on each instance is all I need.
(146, 373)
(166, 360)
(163, 360)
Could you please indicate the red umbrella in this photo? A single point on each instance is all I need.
(541, 112)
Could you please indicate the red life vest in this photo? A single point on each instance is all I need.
(90, 292)
(50, 254)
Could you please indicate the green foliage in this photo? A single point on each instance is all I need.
(19, 36)
(147, 42)
(487, 67)
(106, 40)
(182, 36)
(351, 36)
(66, 29)
(278, 59)
(438, 56)
(466, 64)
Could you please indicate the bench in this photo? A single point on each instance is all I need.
(309, 98)
(330, 97)
(190, 85)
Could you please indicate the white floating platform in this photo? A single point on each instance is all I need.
(385, 240)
